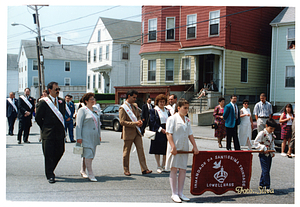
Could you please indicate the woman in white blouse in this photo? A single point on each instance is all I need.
(157, 123)
(88, 133)
(179, 133)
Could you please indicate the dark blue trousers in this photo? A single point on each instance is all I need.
(265, 163)
(69, 126)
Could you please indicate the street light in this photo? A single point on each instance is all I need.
(40, 57)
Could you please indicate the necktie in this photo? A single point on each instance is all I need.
(55, 102)
(236, 114)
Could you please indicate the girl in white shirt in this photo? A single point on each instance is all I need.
(179, 131)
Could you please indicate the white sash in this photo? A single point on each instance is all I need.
(26, 101)
(93, 116)
(170, 108)
(55, 110)
(130, 114)
(68, 110)
(12, 103)
(163, 118)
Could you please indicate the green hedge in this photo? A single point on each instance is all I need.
(104, 96)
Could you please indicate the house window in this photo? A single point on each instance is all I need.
(244, 70)
(214, 22)
(99, 35)
(170, 28)
(88, 82)
(34, 65)
(100, 54)
(67, 81)
(291, 39)
(152, 29)
(94, 81)
(95, 55)
(151, 70)
(186, 69)
(89, 57)
(290, 77)
(107, 52)
(143, 32)
(191, 26)
(35, 81)
(99, 80)
(169, 69)
(67, 66)
(142, 71)
(125, 52)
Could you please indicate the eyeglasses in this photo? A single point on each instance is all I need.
(57, 89)
(92, 99)
(246, 103)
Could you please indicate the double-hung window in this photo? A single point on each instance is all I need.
(99, 35)
(214, 21)
(290, 77)
(67, 81)
(291, 39)
(152, 28)
(186, 69)
(169, 69)
(67, 66)
(89, 57)
(34, 65)
(170, 24)
(191, 26)
(107, 52)
(151, 70)
(100, 54)
(95, 55)
(125, 52)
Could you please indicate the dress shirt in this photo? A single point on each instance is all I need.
(54, 100)
(235, 110)
(263, 109)
(149, 106)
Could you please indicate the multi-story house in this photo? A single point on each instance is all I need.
(192, 45)
(112, 55)
(63, 64)
(282, 84)
(12, 74)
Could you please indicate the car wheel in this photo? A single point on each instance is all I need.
(117, 126)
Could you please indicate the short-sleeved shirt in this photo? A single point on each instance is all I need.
(263, 109)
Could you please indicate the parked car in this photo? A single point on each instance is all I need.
(110, 117)
(276, 117)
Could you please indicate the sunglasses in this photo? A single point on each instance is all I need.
(57, 89)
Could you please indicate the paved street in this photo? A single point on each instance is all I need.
(25, 179)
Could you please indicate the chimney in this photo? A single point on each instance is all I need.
(59, 40)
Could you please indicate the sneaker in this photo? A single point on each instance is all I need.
(283, 154)
(184, 198)
(176, 198)
(293, 155)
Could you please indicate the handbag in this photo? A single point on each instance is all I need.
(149, 134)
(214, 126)
(78, 149)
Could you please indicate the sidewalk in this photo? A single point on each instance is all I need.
(203, 132)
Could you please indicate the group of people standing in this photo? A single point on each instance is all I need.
(172, 133)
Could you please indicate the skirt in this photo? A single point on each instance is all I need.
(286, 132)
(221, 131)
(159, 145)
(89, 153)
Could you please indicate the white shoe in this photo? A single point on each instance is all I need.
(293, 155)
(176, 198)
(93, 179)
(283, 154)
(184, 198)
(83, 174)
(159, 170)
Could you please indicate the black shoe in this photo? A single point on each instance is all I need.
(27, 142)
(73, 141)
(19, 142)
(51, 180)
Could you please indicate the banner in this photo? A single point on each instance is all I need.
(220, 171)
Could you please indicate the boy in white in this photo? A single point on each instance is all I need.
(264, 142)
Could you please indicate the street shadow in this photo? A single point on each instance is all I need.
(106, 178)
(99, 178)
(154, 175)
(230, 198)
(71, 179)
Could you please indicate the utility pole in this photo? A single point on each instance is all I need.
(40, 56)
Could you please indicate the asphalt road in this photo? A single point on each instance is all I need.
(25, 179)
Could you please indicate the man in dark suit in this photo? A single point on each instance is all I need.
(145, 114)
(231, 116)
(11, 112)
(50, 114)
(70, 110)
(212, 86)
(26, 108)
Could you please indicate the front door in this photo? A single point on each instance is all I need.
(208, 69)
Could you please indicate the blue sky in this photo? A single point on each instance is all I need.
(74, 23)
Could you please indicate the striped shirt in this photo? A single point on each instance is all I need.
(263, 109)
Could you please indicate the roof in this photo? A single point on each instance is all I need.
(122, 30)
(53, 50)
(12, 62)
(287, 15)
